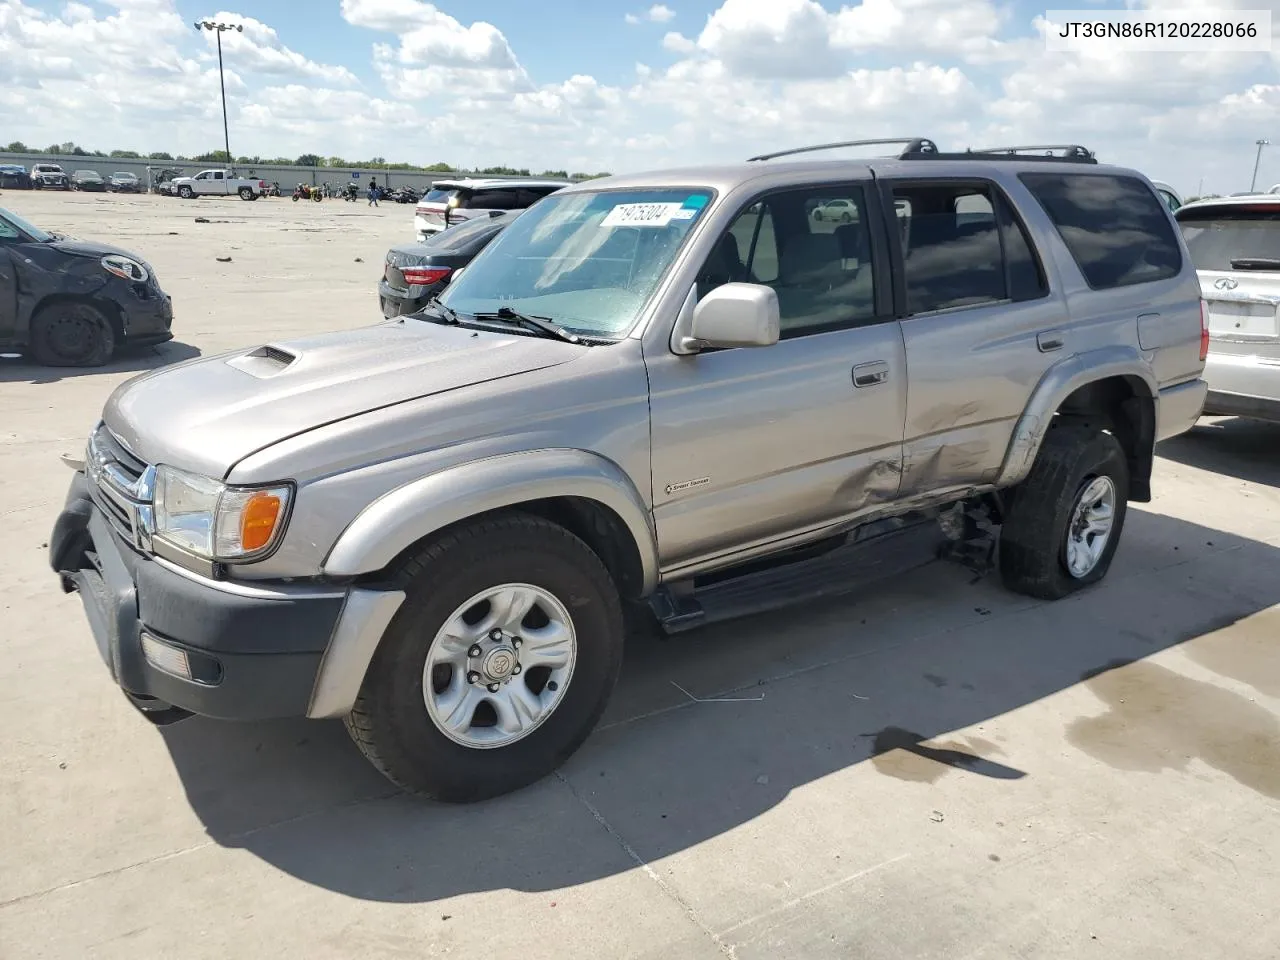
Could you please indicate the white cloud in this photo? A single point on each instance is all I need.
(754, 75)
(258, 49)
(658, 13)
(678, 43)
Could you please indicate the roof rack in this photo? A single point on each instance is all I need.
(913, 146)
(1071, 152)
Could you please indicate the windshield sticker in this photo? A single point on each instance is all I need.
(684, 213)
(640, 215)
(696, 201)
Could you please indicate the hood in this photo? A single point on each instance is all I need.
(91, 248)
(209, 413)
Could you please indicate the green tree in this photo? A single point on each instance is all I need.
(308, 160)
(214, 156)
(18, 147)
(440, 168)
(336, 162)
(159, 155)
(126, 154)
(554, 174)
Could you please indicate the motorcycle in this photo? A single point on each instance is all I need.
(351, 191)
(305, 192)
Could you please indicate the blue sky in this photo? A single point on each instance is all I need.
(559, 85)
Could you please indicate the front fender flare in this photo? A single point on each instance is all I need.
(1058, 383)
(400, 518)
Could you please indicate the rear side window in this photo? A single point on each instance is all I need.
(1233, 238)
(437, 196)
(962, 247)
(1116, 229)
(493, 200)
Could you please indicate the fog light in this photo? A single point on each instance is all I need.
(164, 657)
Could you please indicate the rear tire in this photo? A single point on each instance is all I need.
(72, 335)
(246, 193)
(1047, 527)
(393, 721)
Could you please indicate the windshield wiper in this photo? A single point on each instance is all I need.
(1255, 263)
(536, 324)
(445, 314)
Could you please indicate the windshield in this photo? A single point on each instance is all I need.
(437, 196)
(123, 176)
(48, 168)
(1215, 237)
(88, 174)
(32, 231)
(587, 261)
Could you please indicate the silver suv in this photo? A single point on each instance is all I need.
(454, 201)
(647, 388)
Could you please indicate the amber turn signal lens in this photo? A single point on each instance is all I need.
(258, 521)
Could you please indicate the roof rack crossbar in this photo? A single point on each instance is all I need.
(1071, 151)
(912, 145)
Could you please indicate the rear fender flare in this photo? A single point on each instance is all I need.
(407, 514)
(1058, 383)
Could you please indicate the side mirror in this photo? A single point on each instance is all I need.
(737, 315)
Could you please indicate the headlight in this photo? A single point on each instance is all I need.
(215, 521)
(124, 267)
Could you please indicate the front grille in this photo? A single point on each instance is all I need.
(122, 485)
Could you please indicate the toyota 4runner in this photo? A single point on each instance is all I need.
(645, 387)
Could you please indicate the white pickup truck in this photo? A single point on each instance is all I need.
(218, 183)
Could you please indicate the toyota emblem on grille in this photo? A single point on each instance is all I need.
(1225, 283)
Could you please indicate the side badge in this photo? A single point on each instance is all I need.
(686, 484)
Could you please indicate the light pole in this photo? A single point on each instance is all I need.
(1258, 159)
(217, 29)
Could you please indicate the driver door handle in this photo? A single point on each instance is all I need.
(869, 374)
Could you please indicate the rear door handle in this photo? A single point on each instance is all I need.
(1049, 341)
(869, 374)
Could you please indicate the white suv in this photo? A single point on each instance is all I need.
(1235, 243)
(452, 201)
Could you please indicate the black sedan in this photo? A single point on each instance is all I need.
(124, 183)
(416, 272)
(14, 176)
(88, 180)
(70, 303)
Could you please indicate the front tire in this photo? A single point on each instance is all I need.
(186, 193)
(72, 335)
(497, 666)
(1064, 523)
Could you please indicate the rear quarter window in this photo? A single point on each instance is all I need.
(1115, 227)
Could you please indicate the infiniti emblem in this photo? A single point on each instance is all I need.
(1225, 283)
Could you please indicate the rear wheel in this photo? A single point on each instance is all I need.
(246, 193)
(497, 666)
(72, 335)
(1063, 526)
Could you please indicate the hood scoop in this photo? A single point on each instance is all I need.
(265, 361)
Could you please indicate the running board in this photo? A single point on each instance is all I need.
(684, 606)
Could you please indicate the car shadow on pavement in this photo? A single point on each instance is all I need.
(1234, 446)
(127, 360)
(710, 730)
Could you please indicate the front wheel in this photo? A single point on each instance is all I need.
(186, 193)
(316, 197)
(72, 335)
(1063, 526)
(497, 666)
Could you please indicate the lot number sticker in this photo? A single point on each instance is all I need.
(640, 215)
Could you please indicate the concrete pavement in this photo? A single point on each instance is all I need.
(928, 767)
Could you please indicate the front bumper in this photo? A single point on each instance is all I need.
(146, 321)
(252, 652)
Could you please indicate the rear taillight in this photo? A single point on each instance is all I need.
(1204, 330)
(424, 276)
